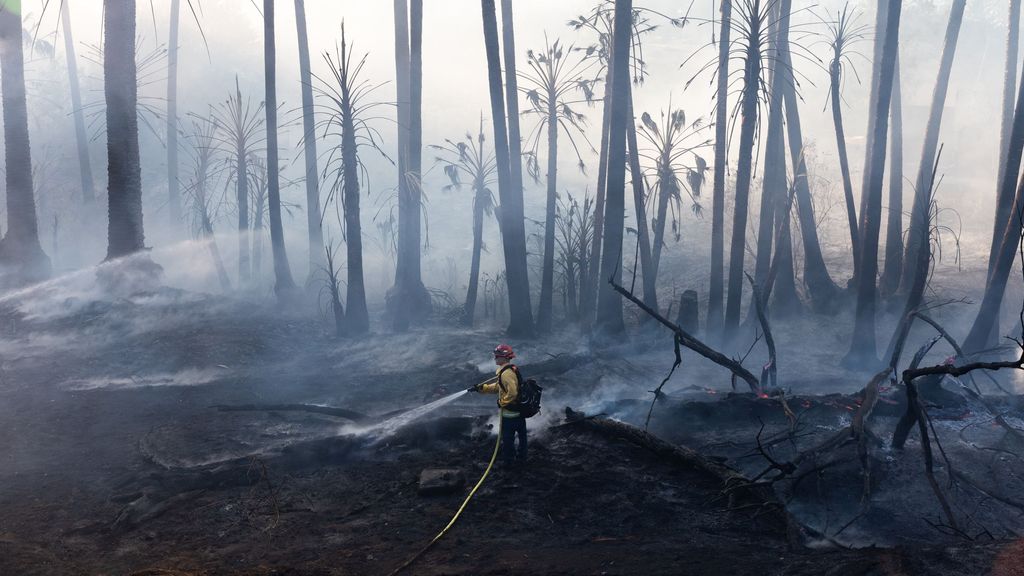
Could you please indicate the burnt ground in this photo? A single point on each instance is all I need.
(117, 460)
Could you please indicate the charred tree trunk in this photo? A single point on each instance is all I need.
(478, 240)
(242, 197)
(773, 183)
(920, 221)
(316, 235)
(589, 279)
(647, 263)
(124, 173)
(822, 290)
(715, 293)
(748, 127)
(863, 347)
(835, 75)
(1004, 194)
(988, 314)
(548, 268)
(173, 184)
(513, 232)
(20, 248)
(520, 309)
(283, 283)
(609, 305)
(893, 270)
(358, 318)
(81, 138)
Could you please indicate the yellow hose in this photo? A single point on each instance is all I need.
(494, 456)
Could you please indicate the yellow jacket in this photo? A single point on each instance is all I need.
(507, 391)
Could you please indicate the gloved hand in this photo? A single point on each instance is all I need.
(472, 388)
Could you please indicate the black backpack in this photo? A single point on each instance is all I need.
(527, 402)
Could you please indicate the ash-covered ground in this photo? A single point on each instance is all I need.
(171, 432)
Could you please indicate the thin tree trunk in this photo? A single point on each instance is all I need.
(242, 195)
(717, 282)
(257, 241)
(283, 283)
(358, 317)
(1004, 194)
(316, 235)
(402, 308)
(609, 303)
(124, 178)
(748, 126)
(474, 267)
(835, 74)
(863, 347)
(820, 286)
(647, 263)
(81, 138)
(786, 300)
(920, 221)
(589, 280)
(521, 311)
(421, 299)
(548, 269)
(893, 270)
(173, 184)
(773, 183)
(988, 313)
(20, 248)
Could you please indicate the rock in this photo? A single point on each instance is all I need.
(437, 481)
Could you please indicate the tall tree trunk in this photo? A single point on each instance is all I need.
(257, 241)
(548, 268)
(358, 318)
(988, 314)
(822, 290)
(835, 75)
(124, 173)
(609, 303)
(667, 188)
(316, 235)
(81, 138)
(589, 277)
(786, 300)
(863, 346)
(478, 241)
(717, 281)
(283, 284)
(20, 248)
(748, 126)
(893, 270)
(919, 220)
(773, 183)
(521, 311)
(173, 184)
(242, 195)
(647, 263)
(1004, 194)
(410, 300)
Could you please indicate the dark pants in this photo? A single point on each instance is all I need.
(510, 427)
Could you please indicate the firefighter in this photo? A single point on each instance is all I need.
(506, 385)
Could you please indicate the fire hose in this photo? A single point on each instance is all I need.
(458, 513)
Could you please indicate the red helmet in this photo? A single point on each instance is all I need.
(504, 351)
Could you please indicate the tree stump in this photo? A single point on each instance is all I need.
(689, 312)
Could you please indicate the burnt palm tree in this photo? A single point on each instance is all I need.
(575, 228)
(555, 82)
(917, 235)
(717, 280)
(284, 285)
(671, 145)
(316, 235)
(200, 194)
(512, 229)
(346, 116)
(20, 249)
(468, 161)
(843, 35)
(173, 183)
(1005, 201)
(240, 129)
(863, 344)
(124, 173)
